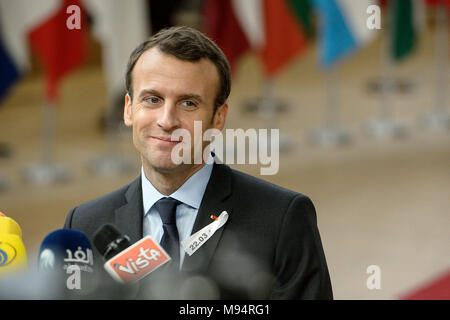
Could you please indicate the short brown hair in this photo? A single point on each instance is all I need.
(188, 44)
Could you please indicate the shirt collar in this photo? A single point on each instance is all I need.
(190, 193)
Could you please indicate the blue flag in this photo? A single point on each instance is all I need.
(8, 71)
(342, 28)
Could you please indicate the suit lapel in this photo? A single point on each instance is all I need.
(215, 200)
(129, 217)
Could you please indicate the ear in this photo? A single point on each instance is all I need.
(220, 117)
(128, 111)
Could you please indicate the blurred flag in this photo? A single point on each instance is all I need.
(343, 28)
(250, 16)
(222, 26)
(120, 26)
(285, 38)
(406, 20)
(439, 2)
(15, 21)
(268, 27)
(303, 11)
(9, 71)
(59, 48)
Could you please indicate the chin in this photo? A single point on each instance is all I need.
(164, 165)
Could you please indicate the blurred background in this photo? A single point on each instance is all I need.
(358, 90)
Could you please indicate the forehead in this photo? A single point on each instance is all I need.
(155, 68)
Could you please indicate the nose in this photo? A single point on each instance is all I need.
(168, 119)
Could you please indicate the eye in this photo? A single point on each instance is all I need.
(152, 100)
(189, 104)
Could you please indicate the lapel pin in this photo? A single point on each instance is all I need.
(195, 241)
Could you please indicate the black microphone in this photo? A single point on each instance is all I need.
(109, 241)
(128, 263)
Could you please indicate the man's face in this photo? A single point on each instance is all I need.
(169, 94)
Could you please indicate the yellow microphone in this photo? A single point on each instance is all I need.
(13, 256)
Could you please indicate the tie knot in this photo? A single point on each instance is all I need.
(167, 210)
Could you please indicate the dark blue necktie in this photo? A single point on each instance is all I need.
(170, 241)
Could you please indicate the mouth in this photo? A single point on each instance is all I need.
(165, 140)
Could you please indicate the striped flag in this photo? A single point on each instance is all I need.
(223, 27)
(285, 38)
(269, 28)
(342, 29)
(406, 21)
(59, 48)
(250, 16)
(303, 11)
(118, 39)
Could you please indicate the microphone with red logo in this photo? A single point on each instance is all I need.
(126, 262)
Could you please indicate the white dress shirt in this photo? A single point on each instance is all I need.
(190, 194)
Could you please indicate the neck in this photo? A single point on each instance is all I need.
(167, 182)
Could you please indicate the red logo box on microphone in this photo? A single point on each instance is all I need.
(137, 261)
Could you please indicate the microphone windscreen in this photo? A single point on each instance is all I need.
(67, 255)
(13, 255)
(61, 246)
(109, 241)
(9, 226)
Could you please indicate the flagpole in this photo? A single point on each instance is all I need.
(268, 107)
(269, 110)
(439, 118)
(331, 133)
(385, 126)
(48, 133)
(46, 171)
(111, 162)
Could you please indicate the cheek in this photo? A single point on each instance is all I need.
(142, 121)
(195, 127)
(202, 117)
(137, 141)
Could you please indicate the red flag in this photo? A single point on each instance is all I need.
(59, 48)
(437, 2)
(222, 26)
(284, 36)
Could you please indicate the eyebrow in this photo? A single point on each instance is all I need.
(194, 96)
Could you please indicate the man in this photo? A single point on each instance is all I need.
(269, 248)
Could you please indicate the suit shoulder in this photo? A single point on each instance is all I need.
(100, 206)
(111, 199)
(246, 183)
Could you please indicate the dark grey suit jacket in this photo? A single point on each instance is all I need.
(270, 247)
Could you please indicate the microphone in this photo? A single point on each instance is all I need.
(128, 263)
(66, 256)
(13, 255)
(109, 241)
